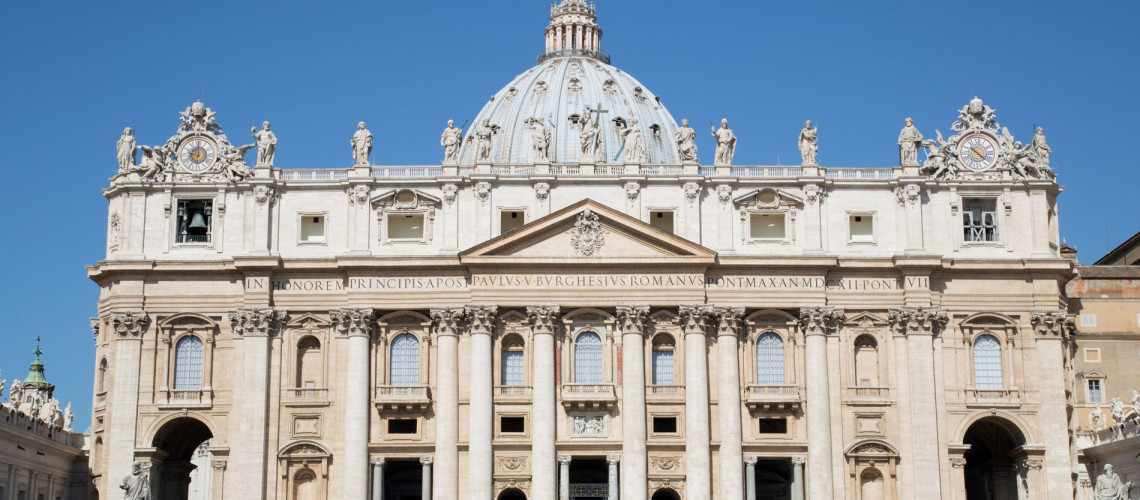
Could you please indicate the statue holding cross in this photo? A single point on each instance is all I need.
(590, 134)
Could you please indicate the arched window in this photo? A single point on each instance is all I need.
(514, 361)
(309, 363)
(588, 358)
(101, 377)
(770, 359)
(405, 360)
(664, 360)
(987, 362)
(188, 364)
(866, 361)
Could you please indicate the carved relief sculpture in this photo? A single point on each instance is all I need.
(809, 143)
(686, 139)
(266, 144)
(910, 139)
(725, 144)
(451, 140)
(450, 191)
(541, 191)
(587, 236)
(361, 144)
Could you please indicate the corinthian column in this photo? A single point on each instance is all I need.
(728, 402)
(634, 468)
(698, 472)
(1052, 329)
(446, 476)
(355, 325)
(920, 325)
(254, 327)
(128, 328)
(543, 477)
(817, 323)
(480, 457)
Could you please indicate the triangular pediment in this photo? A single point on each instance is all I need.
(588, 231)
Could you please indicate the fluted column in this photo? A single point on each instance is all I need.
(481, 460)
(728, 402)
(563, 477)
(817, 323)
(920, 325)
(378, 478)
(1052, 329)
(446, 478)
(543, 409)
(255, 327)
(355, 325)
(612, 487)
(425, 482)
(128, 328)
(698, 472)
(634, 467)
(750, 478)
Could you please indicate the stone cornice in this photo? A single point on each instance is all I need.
(262, 322)
(694, 318)
(481, 319)
(631, 319)
(728, 321)
(447, 320)
(1052, 324)
(129, 324)
(542, 318)
(353, 322)
(820, 320)
(917, 320)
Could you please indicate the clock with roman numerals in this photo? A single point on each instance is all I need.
(978, 152)
(197, 154)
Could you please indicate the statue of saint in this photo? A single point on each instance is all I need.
(1041, 148)
(633, 144)
(1096, 419)
(482, 137)
(540, 139)
(686, 139)
(136, 486)
(266, 144)
(361, 144)
(909, 141)
(1110, 487)
(126, 150)
(1117, 411)
(725, 144)
(451, 140)
(1135, 406)
(809, 145)
(589, 136)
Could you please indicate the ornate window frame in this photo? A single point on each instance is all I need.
(393, 325)
(1004, 329)
(405, 201)
(1002, 209)
(171, 330)
(1101, 378)
(298, 329)
(510, 326)
(783, 325)
(768, 201)
(216, 219)
(577, 322)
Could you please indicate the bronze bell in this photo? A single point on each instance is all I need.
(198, 221)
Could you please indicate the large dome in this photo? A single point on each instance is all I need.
(572, 79)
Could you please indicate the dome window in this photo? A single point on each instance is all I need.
(639, 94)
(656, 129)
(575, 85)
(540, 88)
(609, 87)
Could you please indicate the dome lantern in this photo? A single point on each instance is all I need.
(574, 31)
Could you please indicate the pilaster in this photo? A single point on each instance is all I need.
(698, 471)
(817, 323)
(1052, 330)
(128, 328)
(920, 325)
(634, 466)
(543, 410)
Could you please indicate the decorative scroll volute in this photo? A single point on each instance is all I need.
(820, 320)
(481, 318)
(353, 322)
(447, 320)
(129, 323)
(631, 319)
(264, 322)
(728, 320)
(1052, 324)
(542, 318)
(694, 318)
(918, 321)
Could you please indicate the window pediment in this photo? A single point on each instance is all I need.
(768, 199)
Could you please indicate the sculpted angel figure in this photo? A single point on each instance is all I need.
(153, 162)
(809, 145)
(126, 150)
(361, 144)
(725, 144)
(136, 485)
(482, 137)
(589, 136)
(910, 139)
(266, 144)
(686, 139)
(939, 150)
(451, 140)
(1110, 487)
(1041, 148)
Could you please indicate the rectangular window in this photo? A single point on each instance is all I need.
(1092, 355)
(664, 425)
(1088, 320)
(509, 220)
(663, 372)
(979, 220)
(312, 229)
(405, 226)
(862, 229)
(512, 425)
(1095, 395)
(194, 221)
(402, 426)
(661, 220)
(773, 426)
(513, 368)
(766, 226)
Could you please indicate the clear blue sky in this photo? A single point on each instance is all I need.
(75, 73)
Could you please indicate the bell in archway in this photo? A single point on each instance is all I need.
(198, 221)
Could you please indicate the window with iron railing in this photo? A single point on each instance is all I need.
(979, 221)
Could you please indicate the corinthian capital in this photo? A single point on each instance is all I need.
(694, 318)
(481, 318)
(353, 322)
(820, 320)
(129, 323)
(631, 319)
(263, 322)
(918, 320)
(1052, 324)
(542, 318)
(447, 320)
(728, 320)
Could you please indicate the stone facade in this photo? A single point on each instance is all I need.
(535, 319)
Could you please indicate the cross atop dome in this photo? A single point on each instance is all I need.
(574, 31)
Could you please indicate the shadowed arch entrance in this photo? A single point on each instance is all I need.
(178, 439)
(512, 494)
(989, 472)
(665, 494)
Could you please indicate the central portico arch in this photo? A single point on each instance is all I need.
(175, 443)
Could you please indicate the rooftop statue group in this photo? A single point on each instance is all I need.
(37, 404)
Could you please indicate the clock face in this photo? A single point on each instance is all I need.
(197, 154)
(978, 152)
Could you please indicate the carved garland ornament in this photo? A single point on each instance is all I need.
(587, 237)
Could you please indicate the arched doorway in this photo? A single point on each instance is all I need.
(666, 494)
(178, 439)
(989, 472)
(512, 494)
